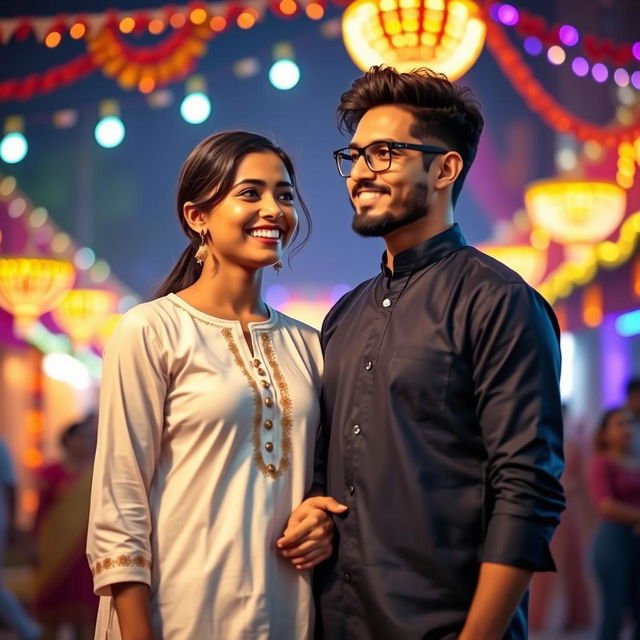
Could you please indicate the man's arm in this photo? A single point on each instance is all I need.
(499, 591)
(516, 360)
(131, 601)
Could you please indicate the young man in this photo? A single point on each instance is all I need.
(442, 409)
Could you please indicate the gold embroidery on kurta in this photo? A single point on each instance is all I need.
(268, 470)
(257, 416)
(120, 561)
(285, 401)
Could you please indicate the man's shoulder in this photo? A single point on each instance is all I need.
(347, 302)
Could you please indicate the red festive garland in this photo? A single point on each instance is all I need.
(39, 83)
(542, 102)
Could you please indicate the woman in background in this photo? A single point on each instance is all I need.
(615, 487)
(208, 416)
(63, 592)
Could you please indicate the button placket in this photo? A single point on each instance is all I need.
(267, 389)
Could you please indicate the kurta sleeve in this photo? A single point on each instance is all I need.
(132, 397)
(516, 383)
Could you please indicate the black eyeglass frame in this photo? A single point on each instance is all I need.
(361, 151)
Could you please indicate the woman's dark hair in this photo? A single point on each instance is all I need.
(598, 438)
(442, 110)
(206, 178)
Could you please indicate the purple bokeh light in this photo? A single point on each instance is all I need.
(568, 35)
(635, 79)
(508, 15)
(621, 77)
(533, 46)
(599, 72)
(276, 295)
(635, 49)
(580, 66)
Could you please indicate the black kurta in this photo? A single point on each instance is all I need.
(443, 435)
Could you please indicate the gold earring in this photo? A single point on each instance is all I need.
(201, 253)
(277, 266)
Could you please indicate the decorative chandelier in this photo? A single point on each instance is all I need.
(529, 262)
(30, 287)
(444, 35)
(576, 212)
(82, 312)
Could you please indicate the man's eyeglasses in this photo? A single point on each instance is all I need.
(377, 155)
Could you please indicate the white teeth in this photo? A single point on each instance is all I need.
(265, 233)
(369, 195)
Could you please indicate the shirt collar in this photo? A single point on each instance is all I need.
(426, 253)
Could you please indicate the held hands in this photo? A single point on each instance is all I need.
(307, 540)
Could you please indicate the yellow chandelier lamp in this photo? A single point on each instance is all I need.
(444, 35)
(580, 215)
(82, 312)
(29, 287)
(530, 262)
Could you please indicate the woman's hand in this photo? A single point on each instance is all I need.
(307, 540)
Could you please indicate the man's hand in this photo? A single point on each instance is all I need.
(307, 540)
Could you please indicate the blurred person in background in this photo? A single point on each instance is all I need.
(633, 407)
(614, 477)
(11, 611)
(568, 544)
(63, 586)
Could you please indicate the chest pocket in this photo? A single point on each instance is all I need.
(419, 380)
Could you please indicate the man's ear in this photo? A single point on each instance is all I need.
(449, 168)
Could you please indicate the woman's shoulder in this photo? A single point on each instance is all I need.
(293, 324)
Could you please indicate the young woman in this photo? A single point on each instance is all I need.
(208, 418)
(615, 486)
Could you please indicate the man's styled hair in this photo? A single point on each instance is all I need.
(442, 110)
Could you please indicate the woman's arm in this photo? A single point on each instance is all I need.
(131, 600)
(618, 511)
(132, 397)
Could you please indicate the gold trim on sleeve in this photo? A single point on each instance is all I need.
(119, 562)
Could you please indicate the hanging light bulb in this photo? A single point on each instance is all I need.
(196, 106)
(109, 131)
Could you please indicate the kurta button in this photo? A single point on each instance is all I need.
(356, 429)
(268, 401)
(369, 365)
(268, 446)
(256, 363)
(261, 371)
(352, 489)
(268, 424)
(265, 384)
(347, 576)
(271, 468)
(386, 303)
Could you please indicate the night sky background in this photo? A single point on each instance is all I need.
(120, 201)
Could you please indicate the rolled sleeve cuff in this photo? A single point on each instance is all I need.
(518, 543)
(124, 567)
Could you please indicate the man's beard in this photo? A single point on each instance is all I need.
(380, 225)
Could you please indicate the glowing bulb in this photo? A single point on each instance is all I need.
(284, 74)
(195, 108)
(109, 132)
(13, 147)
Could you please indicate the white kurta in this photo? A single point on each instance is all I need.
(203, 452)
